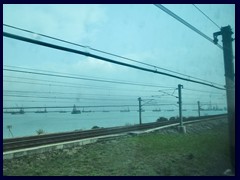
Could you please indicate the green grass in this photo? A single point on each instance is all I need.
(205, 153)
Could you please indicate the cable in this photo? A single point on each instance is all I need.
(201, 91)
(78, 94)
(34, 101)
(42, 92)
(97, 79)
(174, 91)
(47, 74)
(168, 93)
(95, 87)
(185, 23)
(80, 98)
(104, 52)
(58, 82)
(50, 37)
(80, 87)
(13, 92)
(96, 57)
(92, 77)
(206, 16)
(45, 84)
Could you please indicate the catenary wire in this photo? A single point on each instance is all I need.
(206, 16)
(104, 52)
(9, 35)
(97, 79)
(80, 87)
(185, 23)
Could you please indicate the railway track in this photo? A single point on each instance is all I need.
(38, 140)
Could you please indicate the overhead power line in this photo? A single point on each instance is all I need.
(206, 16)
(81, 95)
(52, 83)
(72, 77)
(94, 78)
(201, 91)
(9, 35)
(168, 93)
(117, 80)
(104, 52)
(73, 98)
(68, 93)
(82, 76)
(186, 23)
(34, 101)
(79, 87)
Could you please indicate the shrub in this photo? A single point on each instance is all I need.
(40, 131)
(172, 119)
(95, 127)
(160, 119)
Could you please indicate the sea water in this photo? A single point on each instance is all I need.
(27, 124)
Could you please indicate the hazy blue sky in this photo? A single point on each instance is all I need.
(142, 32)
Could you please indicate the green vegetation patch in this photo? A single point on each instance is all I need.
(154, 154)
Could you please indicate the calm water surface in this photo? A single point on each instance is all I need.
(28, 123)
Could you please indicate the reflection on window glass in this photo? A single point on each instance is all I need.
(152, 86)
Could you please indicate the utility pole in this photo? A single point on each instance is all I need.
(198, 109)
(140, 110)
(180, 103)
(181, 128)
(226, 33)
